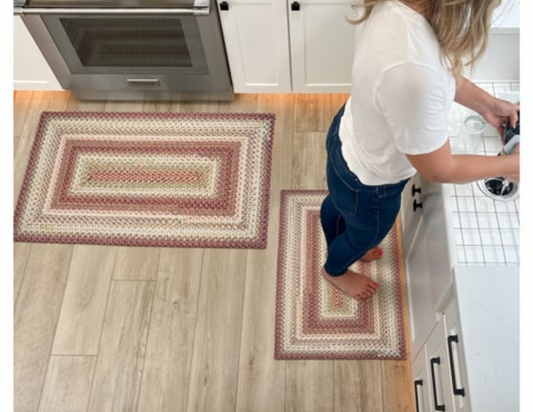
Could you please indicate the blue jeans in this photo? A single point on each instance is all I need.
(354, 217)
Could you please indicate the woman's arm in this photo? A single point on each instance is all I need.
(444, 167)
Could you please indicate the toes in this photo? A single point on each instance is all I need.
(366, 294)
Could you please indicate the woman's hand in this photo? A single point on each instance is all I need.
(498, 111)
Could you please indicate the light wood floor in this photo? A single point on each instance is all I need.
(103, 328)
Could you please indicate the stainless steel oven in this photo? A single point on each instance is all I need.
(132, 49)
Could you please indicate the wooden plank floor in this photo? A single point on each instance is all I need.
(109, 329)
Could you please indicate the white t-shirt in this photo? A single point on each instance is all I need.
(401, 93)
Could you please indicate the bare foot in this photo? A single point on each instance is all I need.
(353, 284)
(372, 254)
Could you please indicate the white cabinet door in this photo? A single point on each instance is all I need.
(31, 71)
(454, 341)
(441, 398)
(421, 382)
(322, 46)
(422, 316)
(438, 224)
(256, 37)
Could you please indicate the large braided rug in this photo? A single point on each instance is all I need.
(316, 321)
(148, 179)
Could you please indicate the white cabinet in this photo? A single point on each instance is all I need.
(469, 362)
(31, 71)
(438, 365)
(422, 316)
(427, 263)
(438, 377)
(421, 382)
(322, 46)
(256, 36)
(456, 357)
(280, 46)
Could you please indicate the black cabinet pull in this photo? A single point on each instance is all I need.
(224, 6)
(418, 382)
(415, 190)
(417, 205)
(295, 6)
(433, 362)
(456, 391)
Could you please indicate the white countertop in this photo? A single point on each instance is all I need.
(488, 301)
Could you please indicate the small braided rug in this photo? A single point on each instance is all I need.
(148, 179)
(314, 320)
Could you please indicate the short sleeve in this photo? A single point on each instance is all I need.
(412, 100)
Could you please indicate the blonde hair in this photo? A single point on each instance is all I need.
(461, 26)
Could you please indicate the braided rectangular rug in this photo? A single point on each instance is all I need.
(148, 179)
(316, 321)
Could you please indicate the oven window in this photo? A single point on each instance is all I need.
(125, 44)
(128, 42)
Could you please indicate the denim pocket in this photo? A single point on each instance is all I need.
(345, 198)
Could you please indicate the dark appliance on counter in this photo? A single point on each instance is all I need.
(132, 49)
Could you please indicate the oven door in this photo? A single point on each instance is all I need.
(128, 55)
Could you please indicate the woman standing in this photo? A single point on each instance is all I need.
(406, 73)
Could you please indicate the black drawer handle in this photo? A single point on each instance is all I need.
(433, 362)
(417, 205)
(415, 190)
(418, 382)
(224, 6)
(295, 6)
(456, 391)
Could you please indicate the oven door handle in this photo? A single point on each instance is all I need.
(195, 11)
